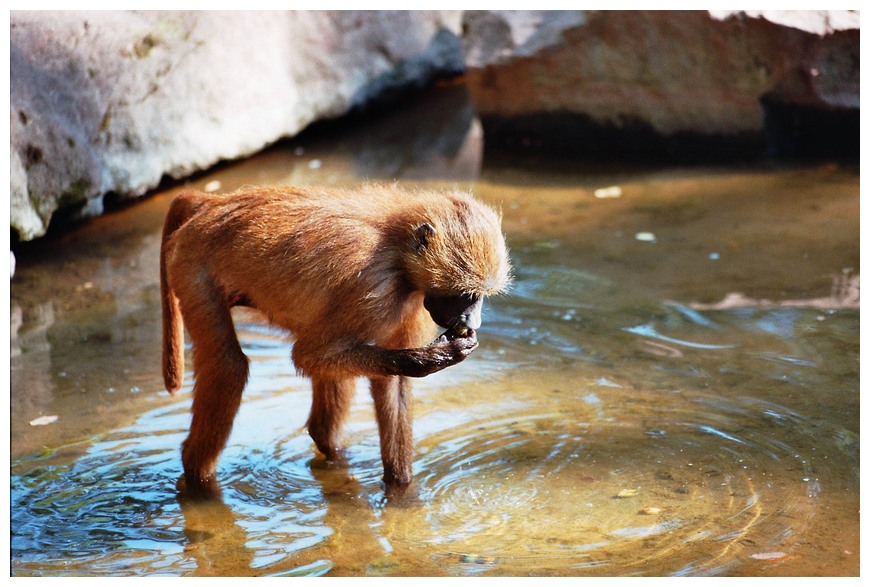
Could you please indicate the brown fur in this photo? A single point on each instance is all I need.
(346, 272)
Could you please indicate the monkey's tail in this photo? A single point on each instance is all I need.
(182, 208)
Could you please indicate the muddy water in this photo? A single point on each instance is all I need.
(671, 388)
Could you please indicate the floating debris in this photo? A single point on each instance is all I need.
(212, 186)
(613, 191)
(383, 567)
(769, 556)
(605, 382)
(650, 511)
(627, 493)
(646, 237)
(43, 421)
(476, 559)
(547, 244)
(314, 164)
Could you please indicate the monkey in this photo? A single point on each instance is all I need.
(357, 277)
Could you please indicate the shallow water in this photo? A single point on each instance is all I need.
(628, 413)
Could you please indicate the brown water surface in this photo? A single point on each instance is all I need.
(671, 387)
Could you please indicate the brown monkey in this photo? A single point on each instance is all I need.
(355, 276)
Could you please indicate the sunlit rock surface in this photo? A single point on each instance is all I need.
(622, 80)
(112, 101)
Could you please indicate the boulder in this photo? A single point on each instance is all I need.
(110, 102)
(617, 81)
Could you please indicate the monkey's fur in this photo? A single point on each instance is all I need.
(356, 276)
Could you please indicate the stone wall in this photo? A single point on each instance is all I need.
(644, 81)
(113, 101)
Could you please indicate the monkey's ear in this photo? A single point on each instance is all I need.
(422, 235)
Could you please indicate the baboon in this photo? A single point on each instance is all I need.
(356, 276)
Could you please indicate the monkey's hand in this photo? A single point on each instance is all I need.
(367, 360)
(446, 350)
(450, 348)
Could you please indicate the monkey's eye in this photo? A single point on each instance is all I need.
(422, 235)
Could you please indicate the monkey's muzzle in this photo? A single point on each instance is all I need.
(455, 312)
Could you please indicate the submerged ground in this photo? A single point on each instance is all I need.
(671, 388)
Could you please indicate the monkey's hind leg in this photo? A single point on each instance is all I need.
(330, 405)
(392, 397)
(220, 371)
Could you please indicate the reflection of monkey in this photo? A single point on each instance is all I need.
(351, 274)
(215, 539)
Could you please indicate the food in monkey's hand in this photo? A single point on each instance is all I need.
(454, 333)
(460, 331)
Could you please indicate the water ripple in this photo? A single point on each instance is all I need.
(654, 465)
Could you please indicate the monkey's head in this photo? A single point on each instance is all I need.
(458, 256)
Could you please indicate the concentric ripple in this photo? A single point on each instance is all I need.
(657, 489)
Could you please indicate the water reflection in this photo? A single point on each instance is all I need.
(591, 469)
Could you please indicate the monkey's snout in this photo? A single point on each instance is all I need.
(455, 311)
(471, 320)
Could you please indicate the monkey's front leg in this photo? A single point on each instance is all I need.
(329, 408)
(392, 397)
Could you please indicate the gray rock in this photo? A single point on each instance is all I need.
(112, 101)
(657, 73)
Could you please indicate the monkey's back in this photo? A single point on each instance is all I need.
(331, 250)
(340, 256)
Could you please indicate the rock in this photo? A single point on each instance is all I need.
(617, 81)
(110, 102)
